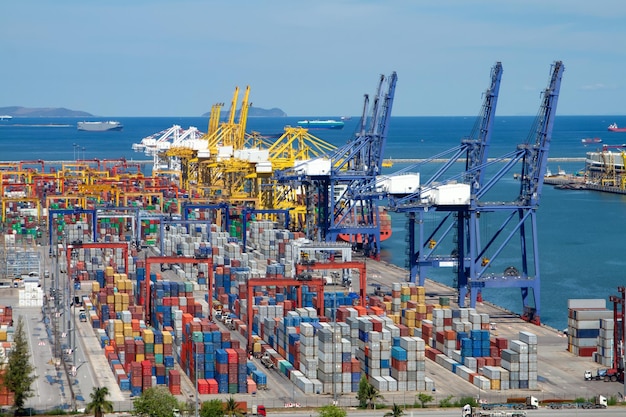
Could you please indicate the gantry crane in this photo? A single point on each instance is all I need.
(472, 257)
(97, 245)
(340, 188)
(315, 283)
(423, 252)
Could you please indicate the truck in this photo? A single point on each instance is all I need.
(468, 411)
(598, 402)
(528, 403)
(266, 360)
(605, 374)
(82, 316)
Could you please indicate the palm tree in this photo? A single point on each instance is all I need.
(231, 408)
(371, 395)
(396, 411)
(99, 403)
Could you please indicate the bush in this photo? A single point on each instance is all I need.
(447, 402)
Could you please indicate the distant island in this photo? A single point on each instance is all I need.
(256, 112)
(17, 111)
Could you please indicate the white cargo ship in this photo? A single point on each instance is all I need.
(99, 126)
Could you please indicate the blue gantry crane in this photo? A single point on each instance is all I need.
(476, 250)
(422, 251)
(341, 187)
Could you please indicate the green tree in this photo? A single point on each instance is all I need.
(155, 402)
(361, 394)
(231, 408)
(99, 403)
(424, 398)
(396, 411)
(19, 374)
(367, 394)
(332, 410)
(213, 408)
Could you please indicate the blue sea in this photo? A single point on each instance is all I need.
(580, 232)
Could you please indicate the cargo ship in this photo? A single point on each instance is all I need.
(99, 126)
(591, 140)
(613, 128)
(385, 228)
(321, 124)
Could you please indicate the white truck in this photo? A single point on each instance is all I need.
(468, 411)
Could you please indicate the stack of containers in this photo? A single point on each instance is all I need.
(309, 343)
(375, 353)
(331, 349)
(583, 324)
(408, 363)
(209, 355)
(604, 353)
(531, 341)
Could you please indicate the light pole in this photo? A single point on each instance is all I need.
(195, 362)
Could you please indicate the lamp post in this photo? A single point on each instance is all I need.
(195, 362)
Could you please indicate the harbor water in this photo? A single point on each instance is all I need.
(580, 232)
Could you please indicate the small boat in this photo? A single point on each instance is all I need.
(5, 117)
(591, 140)
(321, 124)
(613, 128)
(99, 126)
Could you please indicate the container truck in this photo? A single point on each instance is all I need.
(606, 375)
(528, 403)
(468, 411)
(598, 402)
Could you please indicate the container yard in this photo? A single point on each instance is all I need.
(244, 268)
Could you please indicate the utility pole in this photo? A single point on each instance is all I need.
(195, 362)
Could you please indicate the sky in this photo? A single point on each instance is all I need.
(310, 58)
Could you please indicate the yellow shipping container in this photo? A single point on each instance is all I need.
(117, 307)
(158, 348)
(148, 336)
(495, 384)
(421, 308)
(140, 357)
(118, 326)
(167, 338)
(119, 339)
(405, 290)
(95, 287)
(409, 314)
(256, 347)
(125, 298)
(3, 335)
(110, 299)
(109, 271)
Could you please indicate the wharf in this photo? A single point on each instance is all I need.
(570, 182)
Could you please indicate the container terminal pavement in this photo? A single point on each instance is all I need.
(559, 372)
